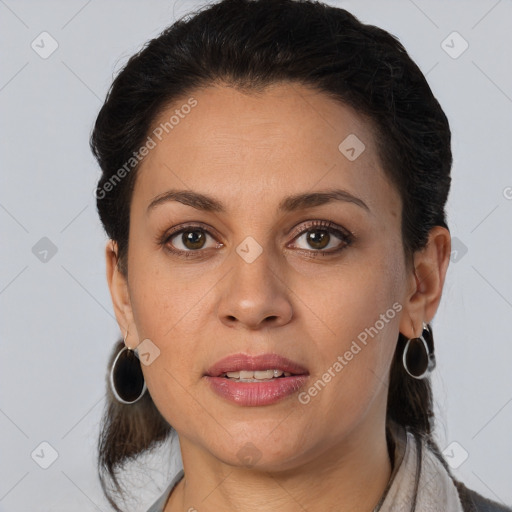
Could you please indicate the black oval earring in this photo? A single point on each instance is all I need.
(126, 377)
(418, 356)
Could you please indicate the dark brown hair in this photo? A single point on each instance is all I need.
(251, 44)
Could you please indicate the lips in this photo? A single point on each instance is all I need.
(238, 362)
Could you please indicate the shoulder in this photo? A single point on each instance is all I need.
(474, 502)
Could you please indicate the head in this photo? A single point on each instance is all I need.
(256, 105)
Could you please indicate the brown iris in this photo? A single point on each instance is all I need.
(317, 241)
(195, 238)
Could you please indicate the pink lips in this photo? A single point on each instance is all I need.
(256, 393)
(237, 362)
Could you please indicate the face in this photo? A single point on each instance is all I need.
(267, 267)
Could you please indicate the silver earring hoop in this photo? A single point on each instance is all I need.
(418, 357)
(126, 378)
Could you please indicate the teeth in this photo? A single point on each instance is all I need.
(256, 375)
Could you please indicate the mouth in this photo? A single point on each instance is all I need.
(256, 376)
(264, 367)
(256, 380)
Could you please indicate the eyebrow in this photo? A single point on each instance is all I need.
(288, 204)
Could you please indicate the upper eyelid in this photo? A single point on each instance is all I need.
(328, 226)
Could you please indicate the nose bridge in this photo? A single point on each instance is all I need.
(252, 261)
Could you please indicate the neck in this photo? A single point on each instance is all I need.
(348, 477)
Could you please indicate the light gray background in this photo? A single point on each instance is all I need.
(58, 326)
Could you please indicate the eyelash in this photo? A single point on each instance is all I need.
(316, 225)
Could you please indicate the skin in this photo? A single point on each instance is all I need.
(250, 151)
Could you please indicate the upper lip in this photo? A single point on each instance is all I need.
(237, 362)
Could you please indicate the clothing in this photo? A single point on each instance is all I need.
(422, 478)
(419, 482)
(159, 504)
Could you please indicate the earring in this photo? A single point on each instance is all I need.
(418, 356)
(126, 377)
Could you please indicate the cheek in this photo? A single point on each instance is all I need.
(360, 316)
(169, 309)
(177, 403)
(166, 299)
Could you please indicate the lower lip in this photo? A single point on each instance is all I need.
(256, 393)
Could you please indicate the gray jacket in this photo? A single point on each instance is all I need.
(474, 502)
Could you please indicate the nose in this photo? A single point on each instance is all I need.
(255, 294)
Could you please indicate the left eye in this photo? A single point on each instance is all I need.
(320, 238)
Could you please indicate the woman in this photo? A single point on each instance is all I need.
(274, 181)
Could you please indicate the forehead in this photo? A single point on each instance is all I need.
(247, 147)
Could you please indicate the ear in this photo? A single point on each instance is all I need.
(426, 282)
(119, 293)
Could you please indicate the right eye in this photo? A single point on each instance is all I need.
(192, 239)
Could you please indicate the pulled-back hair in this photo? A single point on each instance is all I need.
(248, 45)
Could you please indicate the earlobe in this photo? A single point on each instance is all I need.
(430, 266)
(118, 286)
